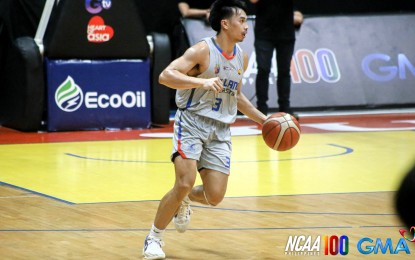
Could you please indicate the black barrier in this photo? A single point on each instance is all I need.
(20, 98)
(87, 29)
(160, 95)
(340, 61)
(25, 84)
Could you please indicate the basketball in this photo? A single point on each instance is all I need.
(281, 131)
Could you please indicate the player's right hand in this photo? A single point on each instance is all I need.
(213, 84)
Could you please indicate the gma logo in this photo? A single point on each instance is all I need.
(368, 246)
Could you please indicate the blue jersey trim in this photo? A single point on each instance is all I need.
(189, 101)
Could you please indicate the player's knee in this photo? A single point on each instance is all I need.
(214, 198)
(184, 187)
(214, 203)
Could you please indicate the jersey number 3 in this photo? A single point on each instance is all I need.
(217, 104)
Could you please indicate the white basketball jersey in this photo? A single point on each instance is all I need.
(221, 106)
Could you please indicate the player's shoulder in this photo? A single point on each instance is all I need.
(201, 45)
(198, 49)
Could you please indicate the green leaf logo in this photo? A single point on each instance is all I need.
(69, 96)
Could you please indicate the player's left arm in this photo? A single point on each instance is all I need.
(245, 106)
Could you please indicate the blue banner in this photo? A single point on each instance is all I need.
(86, 94)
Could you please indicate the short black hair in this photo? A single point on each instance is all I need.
(223, 9)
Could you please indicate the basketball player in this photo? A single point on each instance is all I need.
(208, 82)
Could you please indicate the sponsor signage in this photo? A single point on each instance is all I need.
(98, 94)
(96, 29)
(339, 61)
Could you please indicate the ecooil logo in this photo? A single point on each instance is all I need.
(69, 96)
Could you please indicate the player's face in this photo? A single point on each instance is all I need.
(238, 25)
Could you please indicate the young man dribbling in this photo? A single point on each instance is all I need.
(208, 81)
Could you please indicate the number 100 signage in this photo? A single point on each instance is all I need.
(334, 245)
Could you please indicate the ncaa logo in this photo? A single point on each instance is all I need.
(69, 96)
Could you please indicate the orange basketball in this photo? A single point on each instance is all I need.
(281, 131)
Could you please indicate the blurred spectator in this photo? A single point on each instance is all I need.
(298, 18)
(158, 16)
(275, 30)
(195, 8)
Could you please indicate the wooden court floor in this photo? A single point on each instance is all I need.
(94, 194)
